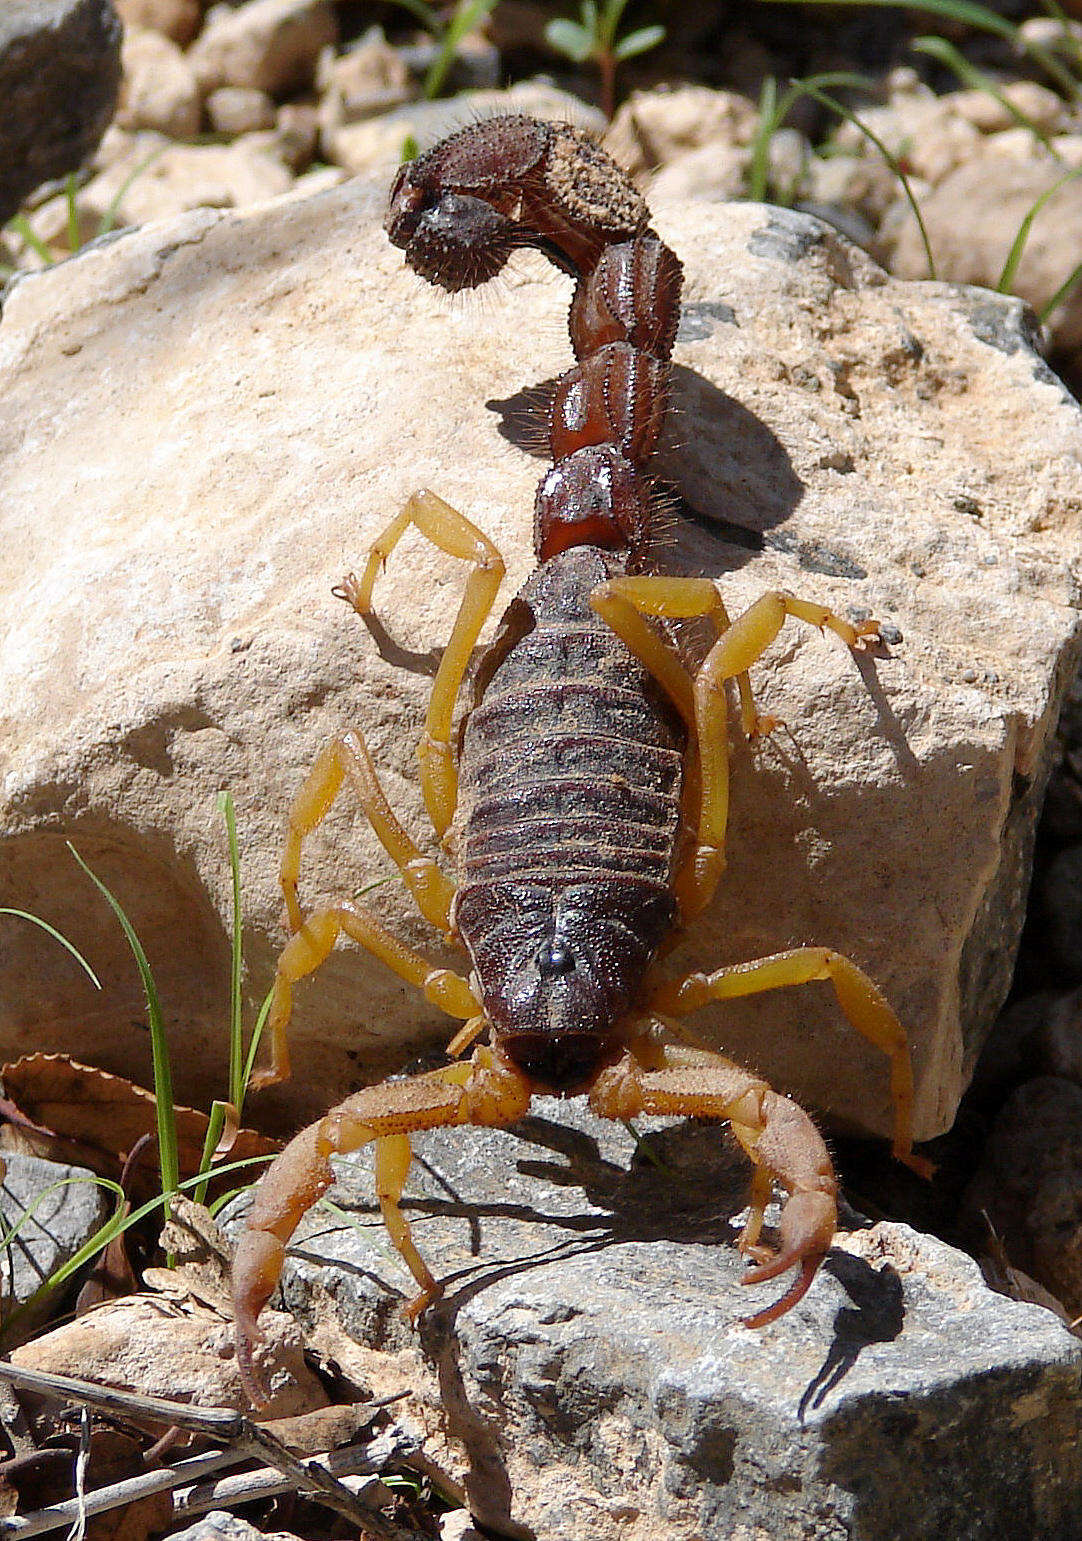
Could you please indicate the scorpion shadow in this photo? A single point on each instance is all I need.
(718, 466)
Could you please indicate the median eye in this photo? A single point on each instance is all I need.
(555, 958)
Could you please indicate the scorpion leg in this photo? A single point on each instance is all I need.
(307, 949)
(480, 1091)
(453, 533)
(344, 757)
(860, 1000)
(623, 602)
(780, 1138)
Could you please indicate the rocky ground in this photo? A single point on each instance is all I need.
(937, 458)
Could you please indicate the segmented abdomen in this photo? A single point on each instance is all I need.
(571, 766)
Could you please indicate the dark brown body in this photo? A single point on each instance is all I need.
(571, 771)
(571, 762)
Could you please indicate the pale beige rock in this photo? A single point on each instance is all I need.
(376, 145)
(854, 181)
(239, 110)
(265, 45)
(182, 177)
(653, 128)
(177, 19)
(997, 194)
(369, 79)
(988, 113)
(712, 171)
(158, 88)
(1019, 145)
(176, 1347)
(297, 128)
(207, 421)
(1068, 148)
(924, 129)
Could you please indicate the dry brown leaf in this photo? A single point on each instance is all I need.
(98, 1117)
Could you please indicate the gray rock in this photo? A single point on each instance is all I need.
(59, 74)
(55, 1209)
(591, 1361)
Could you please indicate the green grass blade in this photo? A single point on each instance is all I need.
(891, 160)
(1061, 293)
(236, 1003)
(36, 920)
(468, 14)
(968, 12)
(971, 14)
(1018, 245)
(118, 1223)
(945, 53)
(73, 212)
(168, 1157)
(108, 219)
(759, 169)
(215, 1124)
(773, 111)
(639, 42)
(1068, 41)
(253, 1048)
(21, 226)
(605, 28)
(570, 39)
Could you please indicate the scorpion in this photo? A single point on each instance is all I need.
(592, 778)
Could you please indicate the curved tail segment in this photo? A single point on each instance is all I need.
(461, 209)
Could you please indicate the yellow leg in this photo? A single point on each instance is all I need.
(779, 1137)
(481, 1091)
(453, 533)
(623, 602)
(307, 949)
(348, 757)
(862, 1003)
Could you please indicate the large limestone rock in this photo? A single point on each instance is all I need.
(207, 421)
(591, 1374)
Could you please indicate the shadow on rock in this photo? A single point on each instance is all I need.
(876, 1316)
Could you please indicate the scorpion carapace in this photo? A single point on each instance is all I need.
(592, 782)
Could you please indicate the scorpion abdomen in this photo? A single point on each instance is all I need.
(567, 890)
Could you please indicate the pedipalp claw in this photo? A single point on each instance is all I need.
(806, 1229)
(809, 1267)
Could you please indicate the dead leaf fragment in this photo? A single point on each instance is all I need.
(96, 1118)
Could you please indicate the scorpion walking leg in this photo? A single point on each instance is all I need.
(862, 1003)
(453, 533)
(307, 949)
(623, 602)
(348, 757)
(780, 1138)
(482, 1091)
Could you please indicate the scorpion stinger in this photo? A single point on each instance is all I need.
(593, 774)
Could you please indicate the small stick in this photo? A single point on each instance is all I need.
(245, 1438)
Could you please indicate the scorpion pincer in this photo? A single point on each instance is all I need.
(592, 782)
